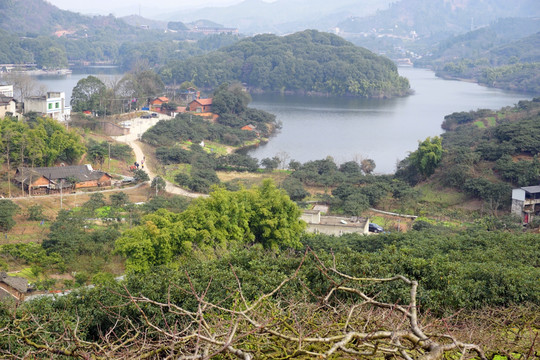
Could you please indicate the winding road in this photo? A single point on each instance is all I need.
(137, 128)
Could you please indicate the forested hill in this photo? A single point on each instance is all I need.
(32, 17)
(304, 62)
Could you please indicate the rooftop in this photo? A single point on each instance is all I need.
(79, 172)
(532, 189)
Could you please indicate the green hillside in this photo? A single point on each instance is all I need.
(27, 17)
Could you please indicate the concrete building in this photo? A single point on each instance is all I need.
(526, 202)
(334, 225)
(52, 105)
(7, 105)
(6, 90)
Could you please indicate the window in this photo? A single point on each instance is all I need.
(50, 106)
(57, 105)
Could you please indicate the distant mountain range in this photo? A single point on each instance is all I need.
(282, 16)
(367, 23)
(496, 42)
(445, 17)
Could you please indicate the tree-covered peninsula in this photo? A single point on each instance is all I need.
(307, 62)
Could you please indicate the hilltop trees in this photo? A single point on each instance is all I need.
(307, 61)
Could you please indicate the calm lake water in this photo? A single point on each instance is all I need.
(382, 130)
(344, 128)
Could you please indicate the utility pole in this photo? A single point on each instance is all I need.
(109, 156)
(61, 187)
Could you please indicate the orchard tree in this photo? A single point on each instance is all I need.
(140, 175)
(7, 209)
(119, 199)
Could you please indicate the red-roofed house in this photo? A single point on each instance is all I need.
(157, 102)
(201, 105)
(251, 128)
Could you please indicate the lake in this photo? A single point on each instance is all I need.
(384, 130)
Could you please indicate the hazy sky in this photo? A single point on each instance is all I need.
(128, 7)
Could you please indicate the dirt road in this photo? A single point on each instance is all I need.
(137, 128)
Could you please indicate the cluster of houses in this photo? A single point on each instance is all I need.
(191, 97)
(195, 104)
(52, 105)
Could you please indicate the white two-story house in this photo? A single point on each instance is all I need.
(52, 105)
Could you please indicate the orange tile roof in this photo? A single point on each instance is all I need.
(204, 101)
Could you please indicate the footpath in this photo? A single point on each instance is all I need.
(137, 128)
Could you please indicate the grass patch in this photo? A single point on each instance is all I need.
(491, 121)
(172, 170)
(480, 124)
(441, 197)
(216, 148)
(249, 180)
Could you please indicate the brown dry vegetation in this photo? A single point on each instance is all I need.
(31, 231)
(251, 179)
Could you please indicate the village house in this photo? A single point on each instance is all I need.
(157, 103)
(251, 128)
(334, 225)
(46, 180)
(52, 105)
(12, 287)
(188, 95)
(526, 203)
(6, 90)
(7, 105)
(201, 105)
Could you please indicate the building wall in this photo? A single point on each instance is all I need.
(42, 181)
(311, 217)
(194, 106)
(11, 107)
(105, 180)
(517, 207)
(35, 104)
(7, 292)
(85, 184)
(6, 90)
(335, 230)
(111, 129)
